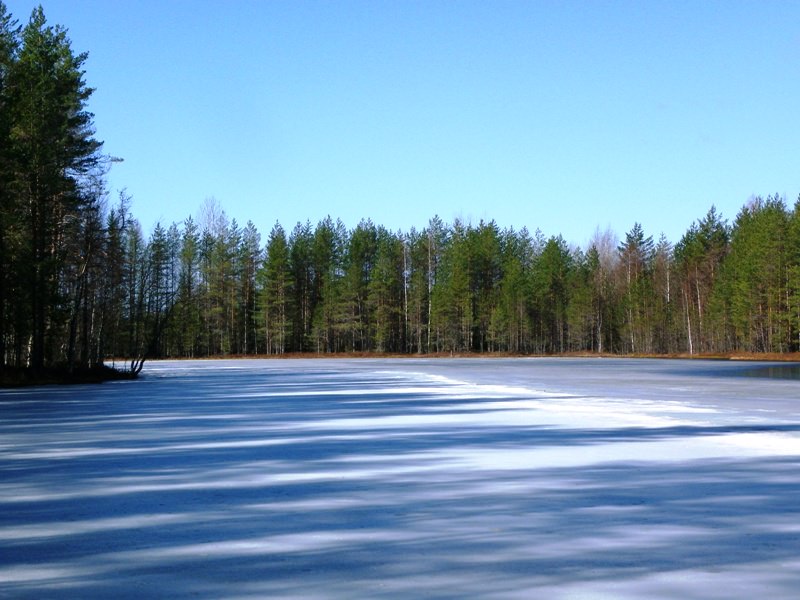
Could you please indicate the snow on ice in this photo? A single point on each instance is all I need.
(462, 478)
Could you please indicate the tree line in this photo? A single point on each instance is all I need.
(80, 282)
(213, 289)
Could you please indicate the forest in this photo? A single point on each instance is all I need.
(81, 284)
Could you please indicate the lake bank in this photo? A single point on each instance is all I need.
(21, 377)
(732, 356)
(11, 377)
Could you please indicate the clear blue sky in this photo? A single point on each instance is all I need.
(557, 115)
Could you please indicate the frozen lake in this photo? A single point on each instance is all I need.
(410, 478)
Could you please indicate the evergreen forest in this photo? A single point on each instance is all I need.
(81, 283)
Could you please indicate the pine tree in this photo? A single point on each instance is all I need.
(304, 302)
(756, 275)
(417, 290)
(385, 293)
(580, 311)
(114, 292)
(158, 294)
(52, 149)
(451, 297)
(10, 226)
(511, 316)
(328, 252)
(663, 327)
(137, 281)
(438, 238)
(698, 259)
(275, 284)
(249, 259)
(360, 262)
(187, 314)
(551, 283)
(793, 272)
(636, 256)
(485, 276)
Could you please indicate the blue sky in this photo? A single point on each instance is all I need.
(563, 116)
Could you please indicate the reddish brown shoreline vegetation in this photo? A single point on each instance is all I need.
(742, 356)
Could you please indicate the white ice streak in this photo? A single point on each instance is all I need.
(56, 529)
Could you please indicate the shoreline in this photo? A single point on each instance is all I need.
(731, 356)
(12, 377)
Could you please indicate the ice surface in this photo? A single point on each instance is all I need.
(463, 478)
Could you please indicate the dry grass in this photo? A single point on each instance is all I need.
(745, 356)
